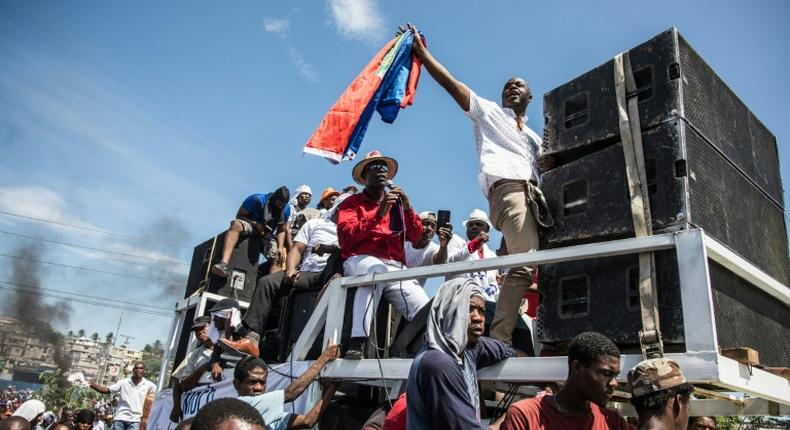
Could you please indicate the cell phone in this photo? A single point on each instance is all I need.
(443, 218)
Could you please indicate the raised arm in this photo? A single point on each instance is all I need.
(100, 388)
(308, 420)
(298, 386)
(457, 89)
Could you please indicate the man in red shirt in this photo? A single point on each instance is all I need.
(372, 228)
(593, 365)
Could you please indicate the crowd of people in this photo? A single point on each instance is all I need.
(371, 228)
(20, 411)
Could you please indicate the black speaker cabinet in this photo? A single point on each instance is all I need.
(673, 82)
(243, 264)
(691, 184)
(603, 295)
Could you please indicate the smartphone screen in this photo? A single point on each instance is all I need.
(442, 218)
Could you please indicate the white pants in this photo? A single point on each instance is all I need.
(407, 296)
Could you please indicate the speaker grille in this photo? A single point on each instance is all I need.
(731, 209)
(714, 109)
(748, 317)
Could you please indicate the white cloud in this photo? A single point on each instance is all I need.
(357, 19)
(40, 202)
(304, 68)
(279, 26)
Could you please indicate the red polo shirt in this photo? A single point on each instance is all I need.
(361, 232)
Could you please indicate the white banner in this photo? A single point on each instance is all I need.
(278, 378)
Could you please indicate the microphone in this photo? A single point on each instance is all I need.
(396, 215)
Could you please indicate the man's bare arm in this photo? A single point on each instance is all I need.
(294, 257)
(149, 401)
(297, 387)
(457, 89)
(311, 418)
(192, 380)
(100, 388)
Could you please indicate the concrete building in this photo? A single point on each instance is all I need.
(22, 353)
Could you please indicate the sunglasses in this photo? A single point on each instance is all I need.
(378, 167)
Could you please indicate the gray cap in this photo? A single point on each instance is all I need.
(200, 322)
(224, 304)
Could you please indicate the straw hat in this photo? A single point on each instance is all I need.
(369, 158)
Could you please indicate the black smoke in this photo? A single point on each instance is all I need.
(26, 302)
(167, 236)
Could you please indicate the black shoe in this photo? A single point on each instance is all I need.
(356, 347)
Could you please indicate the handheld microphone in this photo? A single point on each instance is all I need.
(396, 215)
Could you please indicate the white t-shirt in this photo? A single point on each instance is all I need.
(314, 232)
(487, 279)
(198, 357)
(131, 398)
(418, 257)
(505, 152)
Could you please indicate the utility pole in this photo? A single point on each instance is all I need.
(108, 351)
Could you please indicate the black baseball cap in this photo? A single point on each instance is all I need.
(224, 304)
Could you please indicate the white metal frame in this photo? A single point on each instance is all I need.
(763, 392)
(177, 325)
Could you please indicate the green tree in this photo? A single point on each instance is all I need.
(81, 333)
(58, 392)
(71, 333)
(109, 338)
(152, 358)
(95, 337)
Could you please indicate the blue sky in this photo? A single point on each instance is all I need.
(155, 119)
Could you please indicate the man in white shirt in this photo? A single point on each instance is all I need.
(510, 166)
(308, 255)
(135, 396)
(426, 252)
(476, 248)
(196, 363)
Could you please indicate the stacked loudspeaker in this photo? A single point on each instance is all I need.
(710, 164)
(243, 264)
(240, 285)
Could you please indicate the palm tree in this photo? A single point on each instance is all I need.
(81, 333)
(71, 333)
(95, 337)
(109, 338)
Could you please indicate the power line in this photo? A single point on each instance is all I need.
(102, 304)
(70, 293)
(95, 249)
(89, 269)
(85, 302)
(97, 230)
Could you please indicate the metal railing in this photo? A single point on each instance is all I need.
(701, 363)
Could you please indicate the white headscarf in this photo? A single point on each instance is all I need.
(234, 319)
(30, 409)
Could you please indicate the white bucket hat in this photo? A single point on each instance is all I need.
(479, 215)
